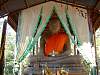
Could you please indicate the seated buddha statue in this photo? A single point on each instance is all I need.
(56, 40)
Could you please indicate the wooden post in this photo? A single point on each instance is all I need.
(95, 52)
(2, 47)
(92, 35)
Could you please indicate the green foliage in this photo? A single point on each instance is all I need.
(87, 66)
(98, 46)
(9, 59)
(9, 68)
(98, 41)
(9, 52)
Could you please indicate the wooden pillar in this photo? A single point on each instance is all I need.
(90, 24)
(92, 34)
(95, 52)
(2, 47)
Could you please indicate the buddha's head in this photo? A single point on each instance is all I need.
(54, 25)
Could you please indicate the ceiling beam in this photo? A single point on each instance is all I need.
(95, 15)
(98, 5)
(13, 5)
(3, 2)
(97, 23)
(12, 22)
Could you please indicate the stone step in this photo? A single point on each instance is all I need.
(76, 59)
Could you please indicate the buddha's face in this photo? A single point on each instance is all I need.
(54, 25)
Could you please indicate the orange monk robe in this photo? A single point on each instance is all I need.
(55, 42)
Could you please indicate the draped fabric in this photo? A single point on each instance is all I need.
(60, 10)
(80, 22)
(55, 43)
(28, 33)
(28, 21)
(78, 17)
(45, 16)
